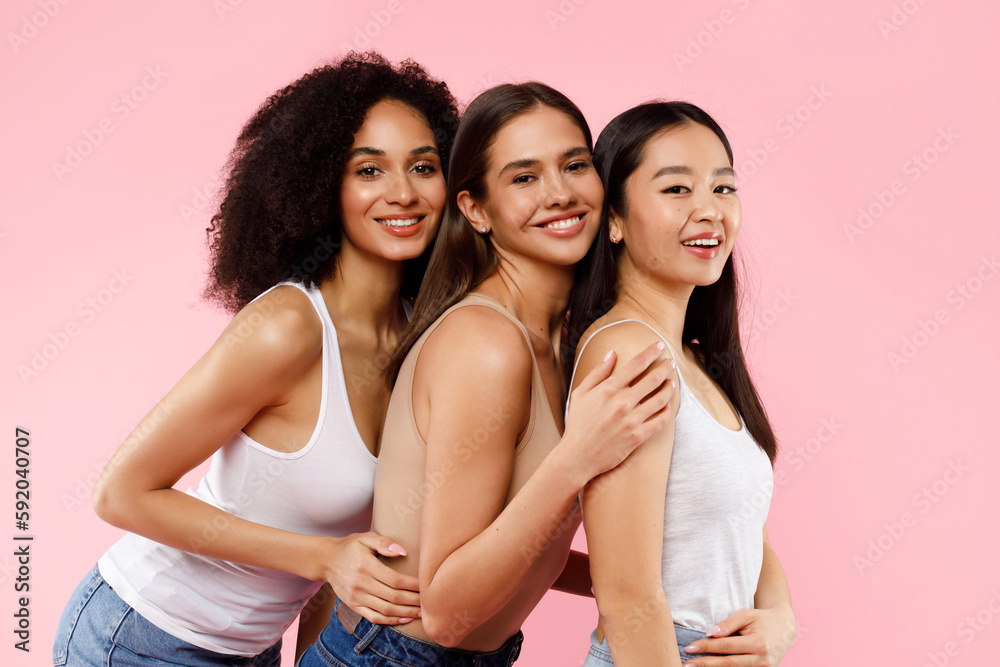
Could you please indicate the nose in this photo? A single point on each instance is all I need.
(401, 191)
(558, 192)
(707, 206)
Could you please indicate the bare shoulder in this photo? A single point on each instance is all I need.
(281, 330)
(482, 343)
(626, 338)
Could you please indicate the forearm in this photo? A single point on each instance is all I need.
(178, 520)
(501, 557)
(638, 626)
(772, 586)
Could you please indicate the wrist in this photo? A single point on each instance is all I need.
(319, 553)
(565, 467)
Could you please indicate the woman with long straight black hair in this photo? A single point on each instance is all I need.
(677, 531)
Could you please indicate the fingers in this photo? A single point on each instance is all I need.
(736, 645)
(599, 373)
(640, 363)
(381, 619)
(381, 545)
(733, 623)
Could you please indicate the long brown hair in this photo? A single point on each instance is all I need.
(462, 258)
(712, 314)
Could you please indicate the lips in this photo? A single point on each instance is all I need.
(705, 245)
(401, 224)
(564, 224)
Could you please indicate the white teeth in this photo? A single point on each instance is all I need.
(404, 222)
(563, 224)
(705, 242)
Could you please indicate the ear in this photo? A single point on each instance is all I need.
(616, 228)
(473, 211)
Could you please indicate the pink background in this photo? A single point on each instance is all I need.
(873, 338)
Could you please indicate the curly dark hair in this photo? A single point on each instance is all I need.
(280, 218)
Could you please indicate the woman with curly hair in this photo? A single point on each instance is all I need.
(334, 193)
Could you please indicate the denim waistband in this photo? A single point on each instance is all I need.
(397, 646)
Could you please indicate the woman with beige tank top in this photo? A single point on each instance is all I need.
(474, 479)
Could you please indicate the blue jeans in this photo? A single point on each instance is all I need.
(351, 641)
(600, 655)
(99, 628)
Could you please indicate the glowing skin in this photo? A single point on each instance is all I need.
(683, 210)
(544, 195)
(393, 189)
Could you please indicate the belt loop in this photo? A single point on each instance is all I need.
(360, 647)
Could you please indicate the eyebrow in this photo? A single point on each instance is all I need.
(531, 162)
(666, 171)
(378, 152)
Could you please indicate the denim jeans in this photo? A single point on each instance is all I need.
(99, 628)
(351, 641)
(600, 655)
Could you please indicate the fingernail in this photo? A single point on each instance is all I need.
(405, 620)
(714, 629)
(420, 613)
(673, 363)
(661, 346)
(608, 355)
(688, 664)
(396, 549)
(693, 648)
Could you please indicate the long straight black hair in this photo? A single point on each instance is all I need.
(463, 258)
(712, 316)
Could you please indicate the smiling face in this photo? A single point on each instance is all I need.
(683, 212)
(393, 189)
(543, 196)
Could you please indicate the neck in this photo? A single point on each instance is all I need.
(536, 293)
(663, 305)
(363, 294)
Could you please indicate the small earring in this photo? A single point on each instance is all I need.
(483, 229)
(614, 240)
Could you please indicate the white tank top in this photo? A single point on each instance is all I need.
(323, 489)
(718, 495)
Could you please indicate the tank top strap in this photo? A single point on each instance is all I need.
(583, 346)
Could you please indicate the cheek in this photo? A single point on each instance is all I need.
(356, 200)
(435, 193)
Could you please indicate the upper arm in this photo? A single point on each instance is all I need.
(477, 370)
(263, 351)
(623, 508)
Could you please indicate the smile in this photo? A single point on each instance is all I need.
(565, 223)
(398, 222)
(702, 242)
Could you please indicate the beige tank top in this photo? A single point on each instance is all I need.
(400, 488)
